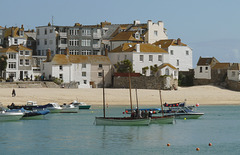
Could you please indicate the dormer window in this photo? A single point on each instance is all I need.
(20, 33)
(137, 35)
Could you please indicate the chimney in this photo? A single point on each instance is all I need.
(136, 22)
(137, 47)
(66, 52)
(49, 55)
(22, 26)
(106, 52)
(178, 41)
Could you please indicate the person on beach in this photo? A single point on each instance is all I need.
(13, 93)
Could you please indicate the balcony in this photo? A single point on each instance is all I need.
(96, 35)
(63, 34)
(96, 45)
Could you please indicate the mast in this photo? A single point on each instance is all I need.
(136, 97)
(161, 102)
(130, 90)
(103, 95)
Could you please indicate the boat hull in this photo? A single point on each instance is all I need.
(118, 121)
(9, 116)
(69, 110)
(187, 115)
(162, 120)
(84, 107)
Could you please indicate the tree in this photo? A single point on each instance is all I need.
(124, 66)
(144, 70)
(154, 69)
(3, 64)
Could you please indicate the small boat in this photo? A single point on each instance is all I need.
(120, 121)
(31, 105)
(69, 108)
(185, 112)
(32, 114)
(81, 105)
(53, 107)
(10, 116)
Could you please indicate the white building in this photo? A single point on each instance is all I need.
(204, 66)
(167, 69)
(142, 56)
(156, 31)
(233, 72)
(86, 70)
(180, 55)
(15, 36)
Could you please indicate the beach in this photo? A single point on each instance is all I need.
(203, 95)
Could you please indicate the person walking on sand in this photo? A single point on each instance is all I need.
(13, 93)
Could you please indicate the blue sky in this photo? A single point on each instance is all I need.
(209, 27)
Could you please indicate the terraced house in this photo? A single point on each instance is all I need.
(19, 62)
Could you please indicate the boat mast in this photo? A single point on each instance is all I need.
(136, 97)
(130, 90)
(161, 102)
(103, 95)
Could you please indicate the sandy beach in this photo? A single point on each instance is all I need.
(203, 95)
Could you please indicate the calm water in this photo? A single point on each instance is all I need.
(76, 134)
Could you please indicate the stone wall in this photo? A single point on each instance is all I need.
(146, 82)
(233, 85)
(29, 84)
(201, 81)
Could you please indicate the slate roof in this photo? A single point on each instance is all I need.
(168, 42)
(207, 61)
(131, 47)
(235, 66)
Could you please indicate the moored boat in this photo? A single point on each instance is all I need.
(81, 105)
(31, 114)
(69, 108)
(10, 116)
(185, 112)
(54, 107)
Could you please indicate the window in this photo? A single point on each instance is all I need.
(125, 57)
(141, 58)
(21, 53)
(74, 42)
(73, 31)
(86, 42)
(159, 57)
(171, 52)
(187, 52)
(84, 65)
(45, 31)
(150, 57)
(206, 68)
(12, 65)
(155, 33)
(99, 74)
(27, 62)
(21, 62)
(45, 41)
(200, 69)
(177, 62)
(86, 32)
(233, 74)
(60, 76)
(74, 52)
(100, 66)
(12, 56)
(84, 74)
(61, 67)
(15, 41)
(166, 71)
(85, 81)
(27, 53)
(20, 33)
(86, 52)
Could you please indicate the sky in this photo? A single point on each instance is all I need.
(210, 27)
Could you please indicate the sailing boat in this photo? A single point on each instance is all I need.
(162, 119)
(120, 121)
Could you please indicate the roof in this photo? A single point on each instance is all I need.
(131, 47)
(12, 31)
(60, 59)
(168, 42)
(221, 66)
(126, 36)
(20, 47)
(235, 66)
(207, 61)
(166, 64)
(7, 50)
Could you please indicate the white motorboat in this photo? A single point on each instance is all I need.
(70, 108)
(81, 105)
(10, 116)
(54, 107)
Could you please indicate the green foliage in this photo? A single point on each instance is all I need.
(124, 66)
(154, 69)
(144, 69)
(185, 80)
(57, 80)
(3, 63)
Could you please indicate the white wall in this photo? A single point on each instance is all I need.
(49, 36)
(179, 53)
(233, 75)
(205, 74)
(159, 27)
(76, 72)
(20, 40)
(172, 72)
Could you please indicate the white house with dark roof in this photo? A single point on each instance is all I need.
(180, 55)
(86, 70)
(142, 56)
(233, 72)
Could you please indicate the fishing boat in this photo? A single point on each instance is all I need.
(185, 112)
(10, 116)
(53, 107)
(164, 119)
(81, 105)
(70, 108)
(120, 121)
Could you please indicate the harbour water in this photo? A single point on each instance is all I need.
(76, 134)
